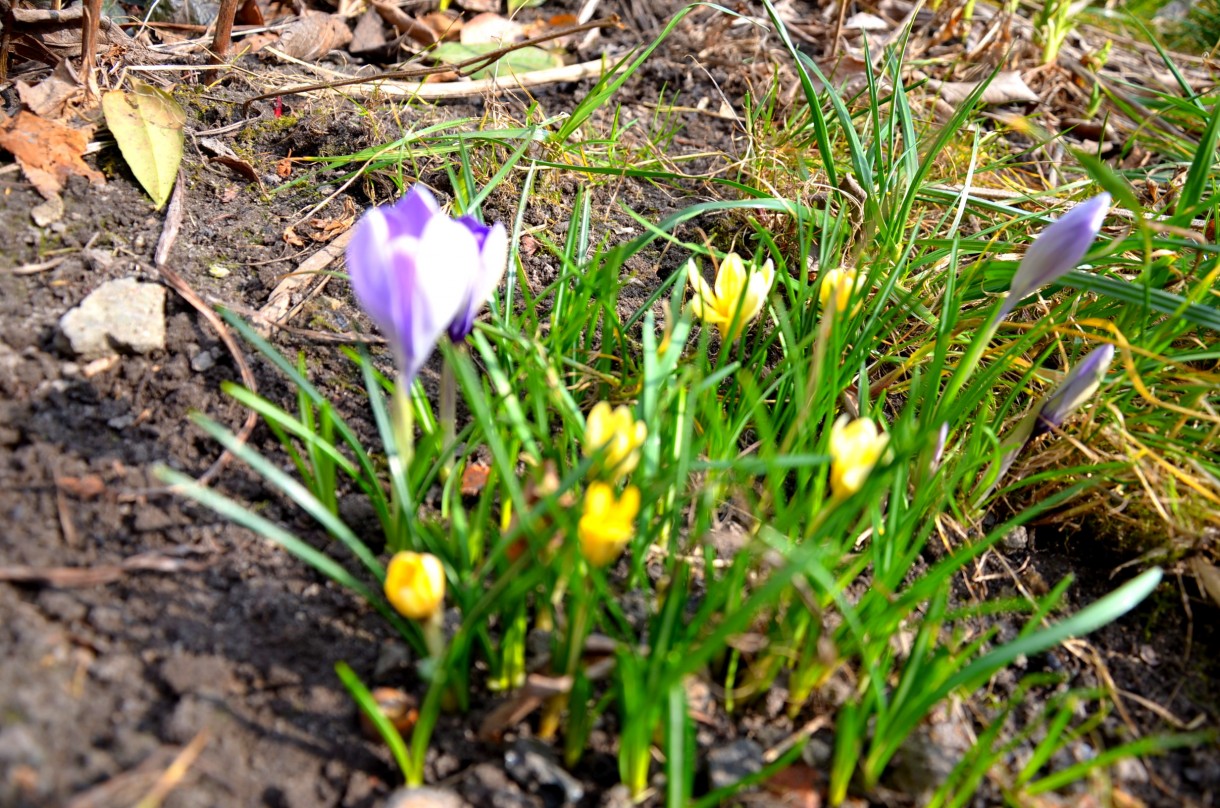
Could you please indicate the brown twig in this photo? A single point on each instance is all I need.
(88, 51)
(224, 30)
(464, 68)
(71, 577)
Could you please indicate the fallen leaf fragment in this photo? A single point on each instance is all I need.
(797, 785)
(90, 486)
(491, 28)
(51, 96)
(405, 24)
(1007, 88)
(48, 152)
(1208, 576)
(445, 24)
(474, 479)
(313, 35)
(147, 123)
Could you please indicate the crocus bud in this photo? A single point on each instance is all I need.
(855, 447)
(418, 273)
(607, 523)
(1056, 251)
(618, 433)
(838, 287)
(1078, 386)
(415, 585)
(738, 296)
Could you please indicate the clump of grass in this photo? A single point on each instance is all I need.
(856, 409)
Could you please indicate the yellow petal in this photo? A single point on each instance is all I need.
(415, 584)
(730, 281)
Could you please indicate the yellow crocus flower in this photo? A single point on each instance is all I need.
(738, 296)
(855, 447)
(839, 285)
(619, 433)
(607, 523)
(415, 585)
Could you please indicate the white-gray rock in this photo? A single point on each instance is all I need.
(119, 316)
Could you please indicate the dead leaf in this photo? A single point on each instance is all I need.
(445, 24)
(369, 35)
(1208, 577)
(405, 24)
(328, 229)
(51, 96)
(249, 13)
(48, 152)
(148, 123)
(1007, 88)
(797, 786)
(256, 42)
(313, 35)
(474, 479)
(489, 28)
(90, 486)
(863, 21)
(399, 706)
(283, 168)
(290, 236)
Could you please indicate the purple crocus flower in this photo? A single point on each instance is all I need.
(492, 244)
(417, 273)
(1078, 386)
(1056, 251)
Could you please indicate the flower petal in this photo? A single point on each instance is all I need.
(1057, 250)
(427, 301)
(730, 282)
(371, 269)
(411, 214)
(492, 245)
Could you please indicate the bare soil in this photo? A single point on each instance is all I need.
(103, 684)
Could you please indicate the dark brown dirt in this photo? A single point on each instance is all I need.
(101, 685)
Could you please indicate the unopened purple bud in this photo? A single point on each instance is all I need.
(1078, 387)
(1056, 251)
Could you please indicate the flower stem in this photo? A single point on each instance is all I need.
(448, 415)
(402, 417)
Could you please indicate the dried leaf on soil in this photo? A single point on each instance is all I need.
(51, 96)
(1208, 576)
(491, 28)
(147, 124)
(1007, 88)
(313, 35)
(405, 24)
(48, 152)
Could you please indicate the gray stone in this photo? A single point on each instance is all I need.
(48, 212)
(119, 316)
(730, 763)
(531, 764)
(203, 361)
(424, 798)
(487, 784)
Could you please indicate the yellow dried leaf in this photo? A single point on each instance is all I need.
(147, 123)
